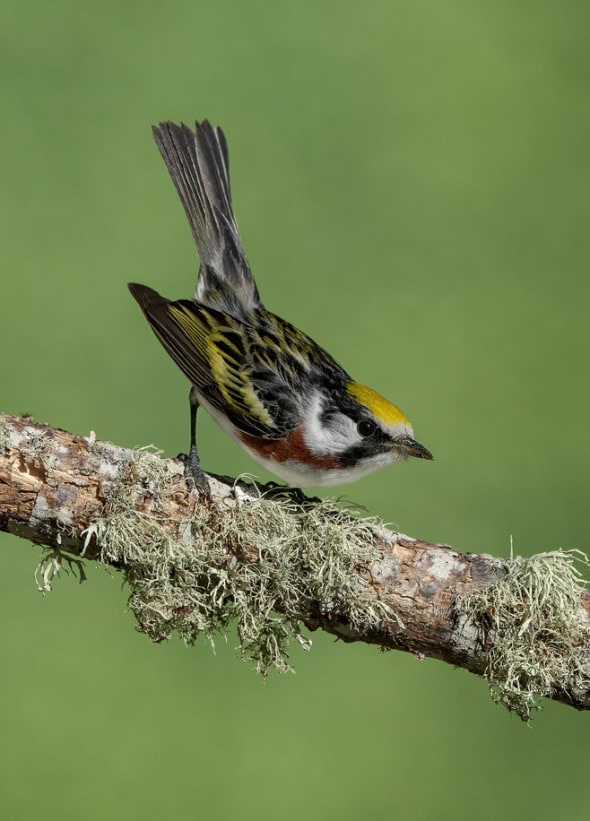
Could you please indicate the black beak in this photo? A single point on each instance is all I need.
(410, 447)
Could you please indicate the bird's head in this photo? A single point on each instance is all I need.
(360, 431)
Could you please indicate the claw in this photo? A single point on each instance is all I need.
(194, 473)
(295, 494)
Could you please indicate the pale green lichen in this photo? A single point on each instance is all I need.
(535, 622)
(32, 442)
(39, 447)
(51, 564)
(4, 441)
(261, 563)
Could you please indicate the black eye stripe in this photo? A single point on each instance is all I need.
(366, 428)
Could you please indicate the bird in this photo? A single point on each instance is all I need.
(279, 395)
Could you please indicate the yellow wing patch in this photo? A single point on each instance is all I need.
(232, 380)
(379, 406)
(190, 324)
(220, 346)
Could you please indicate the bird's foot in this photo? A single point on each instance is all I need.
(273, 490)
(194, 473)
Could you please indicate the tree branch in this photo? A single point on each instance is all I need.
(272, 564)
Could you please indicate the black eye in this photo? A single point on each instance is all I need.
(366, 428)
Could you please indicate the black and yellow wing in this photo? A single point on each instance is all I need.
(231, 363)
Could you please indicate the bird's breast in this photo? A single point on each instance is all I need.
(292, 448)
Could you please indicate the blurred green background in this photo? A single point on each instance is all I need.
(412, 184)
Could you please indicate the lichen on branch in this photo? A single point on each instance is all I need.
(281, 567)
(262, 565)
(536, 629)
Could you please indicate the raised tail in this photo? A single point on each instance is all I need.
(198, 163)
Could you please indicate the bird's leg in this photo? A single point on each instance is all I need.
(193, 467)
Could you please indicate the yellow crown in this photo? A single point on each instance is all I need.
(379, 406)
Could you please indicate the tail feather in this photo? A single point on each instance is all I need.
(198, 164)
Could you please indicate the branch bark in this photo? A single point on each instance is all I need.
(56, 487)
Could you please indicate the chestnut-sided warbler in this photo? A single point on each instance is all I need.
(268, 385)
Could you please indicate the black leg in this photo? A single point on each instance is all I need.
(193, 463)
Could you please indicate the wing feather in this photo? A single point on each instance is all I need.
(213, 351)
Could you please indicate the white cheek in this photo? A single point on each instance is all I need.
(321, 440)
